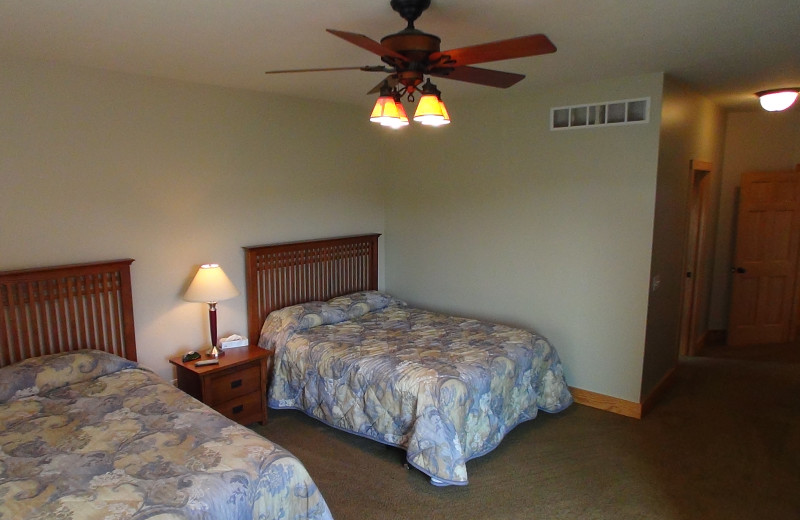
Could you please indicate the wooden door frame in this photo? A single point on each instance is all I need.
(696, 234)
(794, 315)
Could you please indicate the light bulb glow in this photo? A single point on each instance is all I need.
(445, 119)
(385, 111)
(400, 121)
(429, 110)
(388, 110)
(777, 100)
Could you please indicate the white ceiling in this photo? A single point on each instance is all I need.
(726, 49)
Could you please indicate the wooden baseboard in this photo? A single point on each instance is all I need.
(621, 406)
(607, 403)
(715, 337)
(652, 398)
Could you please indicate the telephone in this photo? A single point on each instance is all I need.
(190, 356)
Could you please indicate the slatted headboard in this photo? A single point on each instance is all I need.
(58, 309)
(280, 275)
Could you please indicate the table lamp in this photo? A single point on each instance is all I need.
(210, 285)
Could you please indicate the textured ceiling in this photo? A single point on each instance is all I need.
(725, 49)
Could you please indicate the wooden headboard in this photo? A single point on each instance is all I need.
(58, 309)
(280, 275)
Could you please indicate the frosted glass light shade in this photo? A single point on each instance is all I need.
(777, 100)
(385, 111)
(402, 119)
(429, 110)
(210, 284)
(445, 120)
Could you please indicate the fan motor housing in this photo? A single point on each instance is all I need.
(413, 44)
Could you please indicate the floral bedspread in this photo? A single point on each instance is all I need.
(88, 435)
(445, 389)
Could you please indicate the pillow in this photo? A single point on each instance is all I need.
(45, 373)
(280, 324)
(360, 303)
(319, 313)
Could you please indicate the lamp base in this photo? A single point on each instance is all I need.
(215, 352)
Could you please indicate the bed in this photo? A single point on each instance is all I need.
(86, 432)
(445, 389)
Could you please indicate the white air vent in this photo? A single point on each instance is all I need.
(625, 112)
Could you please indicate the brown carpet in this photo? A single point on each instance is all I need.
(724, 443)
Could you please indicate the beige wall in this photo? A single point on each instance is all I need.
(692, 128)
(95, 165)
(754, 141)
(496, 216)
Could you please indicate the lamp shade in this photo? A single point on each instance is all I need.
(778, 99)
(210, 284)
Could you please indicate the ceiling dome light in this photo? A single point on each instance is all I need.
(777, 99)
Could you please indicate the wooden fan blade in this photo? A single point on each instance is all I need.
(521, 47)
(368, 68)
(490, 78)
(367, 43)
(390, 80)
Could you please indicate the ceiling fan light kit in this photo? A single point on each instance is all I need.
(388, 111)
(779, 99)
(431, 110)
(410, 55)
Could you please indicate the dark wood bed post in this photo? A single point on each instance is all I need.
(279, 275)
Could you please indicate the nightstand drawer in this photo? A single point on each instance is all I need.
(236, 386)
(244, 409)
(225, 387)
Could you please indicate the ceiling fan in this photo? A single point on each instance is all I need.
(410, 55)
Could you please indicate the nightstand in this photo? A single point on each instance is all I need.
(236, 388)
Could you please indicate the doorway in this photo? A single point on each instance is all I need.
(695, 276)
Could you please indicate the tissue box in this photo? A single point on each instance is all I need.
(233, 342)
